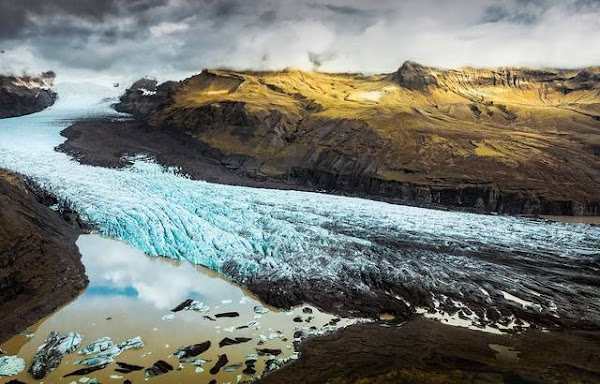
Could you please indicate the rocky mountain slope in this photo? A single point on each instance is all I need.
(22, 95)
(515, 141)
(40, 267)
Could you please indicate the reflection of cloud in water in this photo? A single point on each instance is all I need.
(116, 269)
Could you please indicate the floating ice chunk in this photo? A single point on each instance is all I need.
(99, 345)
(199, 370)
(252, 356)
(232, 367)
(260, 309)
(108, 355)
(50, 354)
(198, 362)
(168, 317)
(11, 365)
(28, 334)
(191, 305)
(226, 301)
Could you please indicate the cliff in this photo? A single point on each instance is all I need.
(22, 95)
(40, 266)
(516, 141)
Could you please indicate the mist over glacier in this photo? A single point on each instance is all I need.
(297, 238)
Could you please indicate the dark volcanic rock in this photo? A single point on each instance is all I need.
(223, 360)
(128, 368)
(227, 314)
(414, 76)
(144, 96)
(268, 351)
(85, 371)
(237, 340)
(40, 266)
(22, 95)
(159, 368)
(182, 306)
(192, 350)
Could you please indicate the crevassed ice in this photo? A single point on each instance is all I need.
(290, 234)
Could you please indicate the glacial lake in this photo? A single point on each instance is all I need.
(131, 294)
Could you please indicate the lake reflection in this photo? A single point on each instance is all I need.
(131, 294)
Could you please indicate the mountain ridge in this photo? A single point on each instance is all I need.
(521, 141)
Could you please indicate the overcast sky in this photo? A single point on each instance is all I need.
(171, 39)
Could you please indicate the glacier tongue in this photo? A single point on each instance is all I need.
(306, 241)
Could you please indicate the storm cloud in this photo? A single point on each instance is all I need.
(174, 38)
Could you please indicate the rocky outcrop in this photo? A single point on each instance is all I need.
(23, 95)
(472, 139)
(414, 77)
(40, 266)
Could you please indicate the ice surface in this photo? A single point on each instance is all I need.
(11, 365)
(285, 235)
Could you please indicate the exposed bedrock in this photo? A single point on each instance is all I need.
(511, 141)
(22, 95)
(40, 266)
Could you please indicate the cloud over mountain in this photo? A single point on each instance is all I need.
(173, 38)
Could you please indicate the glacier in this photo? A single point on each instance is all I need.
(303, 241)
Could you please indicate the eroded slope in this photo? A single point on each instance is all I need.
(506, 140)
(40, 267)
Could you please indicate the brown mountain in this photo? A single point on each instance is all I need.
(22, 95)
(519, 141)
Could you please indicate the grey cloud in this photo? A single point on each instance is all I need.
(173, 38)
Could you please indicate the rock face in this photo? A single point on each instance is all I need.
(40, 266)
(22, 95)
(514, 141)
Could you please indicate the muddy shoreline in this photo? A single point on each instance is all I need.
(425, 351)
(40, 265)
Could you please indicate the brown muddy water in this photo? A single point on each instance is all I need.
(131, 294)
(593, 220)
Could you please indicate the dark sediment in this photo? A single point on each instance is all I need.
(40, 266)
(424, 351)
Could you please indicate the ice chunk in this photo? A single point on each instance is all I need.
(108, 355)
(99, 345)
(260, 309)
(50, 354)
(11, 365)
